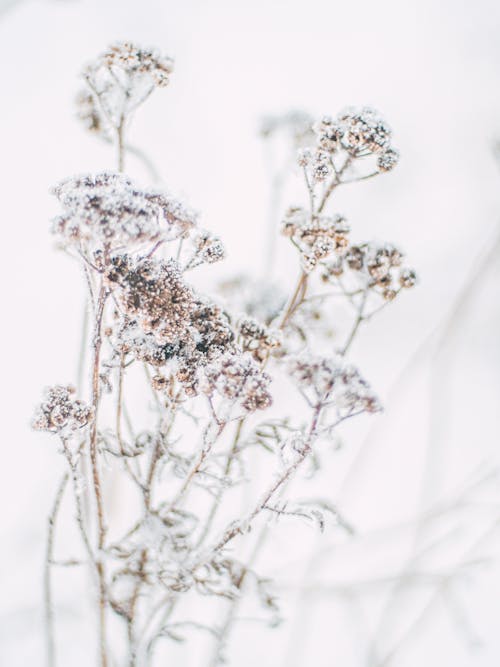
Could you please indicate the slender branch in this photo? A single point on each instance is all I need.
(97, 343)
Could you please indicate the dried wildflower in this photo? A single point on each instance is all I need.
(363, 130)
(328, 134)
(124, 76)
(61, 413)
(257, 339)
(407, 278)
(355, 133)
(374, 267)
(317, 239)
(388, 159)
(334, 382)
(239, 379)
(106, 211)
(208, 249)
(210, 337)
(155, 293)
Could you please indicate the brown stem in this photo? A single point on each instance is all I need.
(296, 299)
(120, 132)
(97, 344)
(333, 184)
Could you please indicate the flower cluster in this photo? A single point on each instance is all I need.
(257, 339)
(316, 238)
(239, 379)
(61, 413)
(124, 76)
(107, 212)
(378, 268)
(205, 335)
(357, 133)
(360, 132)
(154, 293)
(333, 382)
(208, 249)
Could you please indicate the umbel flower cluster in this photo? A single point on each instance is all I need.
(211, 370)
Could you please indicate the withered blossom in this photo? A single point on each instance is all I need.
(258, 339)
(123, 77)
(239, 379)
(60, 412)
(153, 292)
(374, 267)
(316, 238)
(333, 382)
(107, 211)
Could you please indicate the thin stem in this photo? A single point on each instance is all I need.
(357, 324)
(49, 559)
(236, 527)
(227, 470)
(333, 184)
(120, 131)
(97, 343)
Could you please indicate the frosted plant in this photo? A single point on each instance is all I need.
(216, 368)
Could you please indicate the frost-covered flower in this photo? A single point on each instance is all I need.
(123, 76)
(387, 160)
(208, 249)
(257, 339)
(363, 129)
(333, 381)
(356, 132)
(317, 239)
(238, 378)
(155, 293)
(107, 211)
(375, 267)
(61, 413)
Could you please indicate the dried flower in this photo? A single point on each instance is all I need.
(239, 379)
(333, 381)
(61, 413)
(124, 76)
(257, 339)
(155, 293)
(106, 211)
(374, 267)
(317, 239)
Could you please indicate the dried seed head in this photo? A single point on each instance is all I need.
(238, 378)
(407, 278)
(332, 381)
(61, 413)
(155, 294)
(108, 211)
(123, 77)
